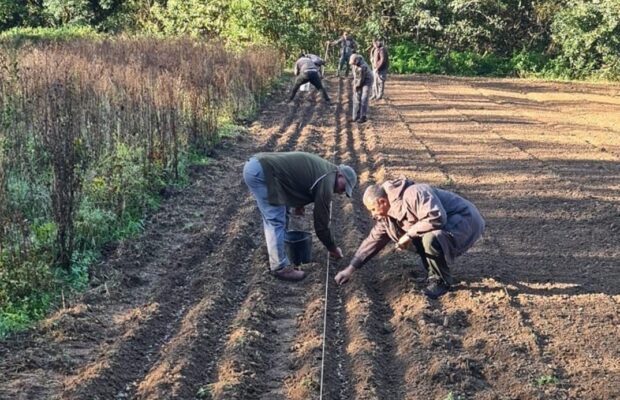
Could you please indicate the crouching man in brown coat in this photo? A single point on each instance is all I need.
(438, 224)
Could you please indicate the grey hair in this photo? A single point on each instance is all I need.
(373, 193)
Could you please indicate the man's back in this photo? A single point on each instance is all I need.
(291, 176)
(304, 64)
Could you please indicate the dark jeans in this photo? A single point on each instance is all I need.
(310, 76)
(360, 102)
(343, 63)
(433, 259)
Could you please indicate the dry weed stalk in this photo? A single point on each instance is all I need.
(66, 109)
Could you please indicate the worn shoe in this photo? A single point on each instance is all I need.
(435, 288)
(353, 120)
(362, 120)
(289, 274)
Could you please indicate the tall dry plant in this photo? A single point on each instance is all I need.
(79, 112)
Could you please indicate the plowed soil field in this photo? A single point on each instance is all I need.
(189, 311)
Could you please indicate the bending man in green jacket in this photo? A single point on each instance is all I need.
(437, 224)
(294, 179)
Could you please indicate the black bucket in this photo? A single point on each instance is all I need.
(298, 245)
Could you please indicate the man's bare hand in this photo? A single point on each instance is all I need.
(336, 254)
(343, 276)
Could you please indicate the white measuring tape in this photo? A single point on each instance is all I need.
(325, 309)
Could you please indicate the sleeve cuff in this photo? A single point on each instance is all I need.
(356, 263)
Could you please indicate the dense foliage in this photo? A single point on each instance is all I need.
(90, 132)
(565, 38)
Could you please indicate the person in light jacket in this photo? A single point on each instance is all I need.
(362, 86)
(438, 224)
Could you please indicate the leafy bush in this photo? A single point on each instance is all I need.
(589, 36)
(527, 63)
(18, 36)
(26, 280)
(408, 57)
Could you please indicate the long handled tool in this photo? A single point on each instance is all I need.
(325, 58)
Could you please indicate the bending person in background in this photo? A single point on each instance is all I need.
(362, 86)
(307, 71)
(294, 179)
(318, 61)
(380, 65)
(438, 224)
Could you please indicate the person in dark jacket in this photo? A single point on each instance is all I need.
(347, 46)
(295, 179)
(307, 71)
(362, 86)
(438, 224)
(380, 65)
(318, 61)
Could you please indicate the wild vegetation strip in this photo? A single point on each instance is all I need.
(92, 133)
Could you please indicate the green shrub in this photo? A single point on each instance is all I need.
(527, 63)
(588, 34)
(408, 57)
(26, 283)
(20, 35)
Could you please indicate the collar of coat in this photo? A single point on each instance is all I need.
(394, 190)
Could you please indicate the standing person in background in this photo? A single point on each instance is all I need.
(348, 46)
(362, 86)
(380, 65)
(307, 71)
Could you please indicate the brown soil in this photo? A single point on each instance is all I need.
(189, 311)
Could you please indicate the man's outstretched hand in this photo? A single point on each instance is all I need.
(343, 276)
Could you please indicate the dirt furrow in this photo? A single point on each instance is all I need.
(369, 342)
(554, 161)
(188, 356)
(540, 360)
(337, 372)
(153, 347)
(432, 325)
(525, 179)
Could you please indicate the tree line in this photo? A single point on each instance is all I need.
(568, 38)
